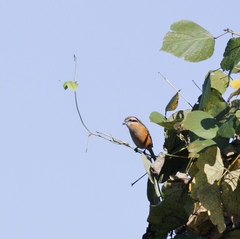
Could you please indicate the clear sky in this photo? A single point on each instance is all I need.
(49, 186)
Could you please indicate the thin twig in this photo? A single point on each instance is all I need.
(176, 156)
(75, 97)
(196, 85)
(114, 139)
(227, 170)
(97, 134)
(175, 88)
(132, 184)
(107, 137)
(231, 31)
(227, 30)
(75, 71)
(79, 114)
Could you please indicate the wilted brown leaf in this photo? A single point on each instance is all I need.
(158, 164)
(236, 92)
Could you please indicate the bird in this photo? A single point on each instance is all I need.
(140, 134)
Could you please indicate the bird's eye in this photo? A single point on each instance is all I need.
(132, 120)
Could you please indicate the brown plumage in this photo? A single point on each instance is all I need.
(140, 134)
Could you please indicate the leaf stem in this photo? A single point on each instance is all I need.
(132, 184)
(79, 114)
(221, 35)
(75, 70)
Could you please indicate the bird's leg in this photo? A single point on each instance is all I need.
(136, 149)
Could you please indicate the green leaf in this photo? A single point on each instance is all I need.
(209, 196)
(72, 85)
(231, 193)
(236, 69)
(228, 128)
(157, 118)
(199, 145)
(231, 55)
(189, 40)
(238, 114)
(168, 216)
(169, 123)
(234, 234)
(175, 187)
(210, 162)
(214, 86)
(202, 124)
(161, 120)
(151, 193)
(218, 80)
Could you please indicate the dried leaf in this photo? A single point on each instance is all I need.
(173, 103)
(152, 178)
(236, 92)
(148, 165)
(158, 164)
(232, 178)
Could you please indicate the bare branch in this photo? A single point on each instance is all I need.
(231, 31)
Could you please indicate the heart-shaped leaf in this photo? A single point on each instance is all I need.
(189, 40)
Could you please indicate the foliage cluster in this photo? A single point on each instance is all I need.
(199, 173)
(200, 195)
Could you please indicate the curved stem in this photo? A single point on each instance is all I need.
(79, 114)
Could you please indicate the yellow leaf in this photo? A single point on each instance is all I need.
(173, 103)
(235, 83)
(236, 92)
(72, 85)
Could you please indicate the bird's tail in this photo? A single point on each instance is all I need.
(152, 153)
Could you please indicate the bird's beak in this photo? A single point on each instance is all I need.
(123, 123)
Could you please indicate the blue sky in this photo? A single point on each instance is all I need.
(50, 187)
